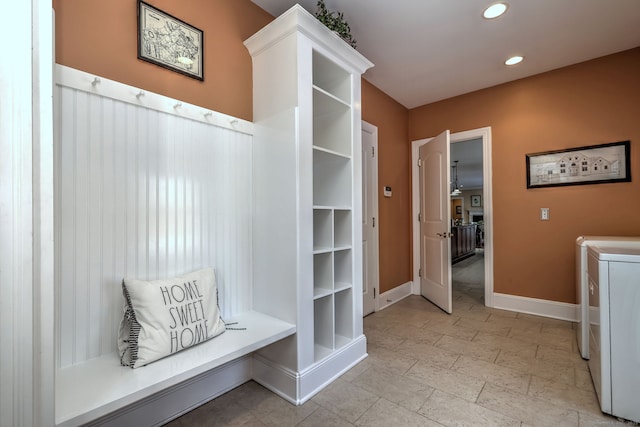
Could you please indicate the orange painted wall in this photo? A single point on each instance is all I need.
(580, 105)
(101, 37)
(589, 103)
(394, 157)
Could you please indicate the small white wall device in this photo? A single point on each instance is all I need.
(387, 192)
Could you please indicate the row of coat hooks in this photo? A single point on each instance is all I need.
(96, 81)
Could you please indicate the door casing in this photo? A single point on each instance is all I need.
(487, 197)
(370, 257)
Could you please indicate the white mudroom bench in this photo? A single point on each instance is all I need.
(101, 391)
(148, 187)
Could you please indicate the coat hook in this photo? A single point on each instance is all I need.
(95, 81)
(208, 114)
(140, 94)
(178, 105)
(233, 122)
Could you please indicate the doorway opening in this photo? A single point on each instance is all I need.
(467, 222)
(477, 208)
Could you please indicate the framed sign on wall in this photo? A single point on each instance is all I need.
(595, 164)
(169, 42)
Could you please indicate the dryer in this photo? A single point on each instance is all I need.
(614, 328)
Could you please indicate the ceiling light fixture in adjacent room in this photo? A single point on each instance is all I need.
(495, 10)
(455, 189)
(514, 60)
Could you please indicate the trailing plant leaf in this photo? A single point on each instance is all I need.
(335, 22)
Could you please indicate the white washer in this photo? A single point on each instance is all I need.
(614, 333)
(582, 286)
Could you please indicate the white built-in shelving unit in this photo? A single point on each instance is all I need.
(307, 170)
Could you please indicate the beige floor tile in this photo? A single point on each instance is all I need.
(385, 414)
(566, 330)
(532, 411)
(373, 322)
(393, 361)
(277, 412)
(513, 345)
(551, 340)
(487, 327)
(452, 330)
(401, 390)
(408, 316)
(474, 313)
(496, 312)
(322, 417)
(561, 356)
(465, 298)
(413, 332)
(358, 369)
(583, 380)
(564, 372)
(564, 394)
(516, 323)
(453, 411)
(464, 303)
(228, 410)
(250, 395)
(495, 374)
(469, 348)
(467, 368)
(441, 319)
(446, 380)
(602, 420)
(504, 316)
(416, 302)
(428, 353)
(345, 400)
(545, 320)
(383, 339)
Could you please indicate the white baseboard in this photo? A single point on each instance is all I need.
(539, 307)
(394, 295)
(284, 382)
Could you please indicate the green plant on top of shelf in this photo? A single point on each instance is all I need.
(335, 22)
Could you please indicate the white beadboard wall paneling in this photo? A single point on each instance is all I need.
(146, 193)
(76, 79)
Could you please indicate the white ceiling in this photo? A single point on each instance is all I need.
(428, 50)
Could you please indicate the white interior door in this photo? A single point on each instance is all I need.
(369, 217)
(435, 222)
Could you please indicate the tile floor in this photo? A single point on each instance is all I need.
(475, 367)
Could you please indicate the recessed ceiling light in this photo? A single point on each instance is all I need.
(514, 60)
(495, 10)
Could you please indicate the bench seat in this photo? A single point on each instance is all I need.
(97, 387)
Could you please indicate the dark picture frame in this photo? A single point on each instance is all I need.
(458, 210)
(170, 42)
(593, 164)
(476, 201)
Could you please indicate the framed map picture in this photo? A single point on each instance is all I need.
(169, 42)
(595, 164)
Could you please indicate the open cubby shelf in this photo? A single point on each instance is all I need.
(307, 86)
